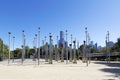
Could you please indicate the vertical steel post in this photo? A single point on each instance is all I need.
(13, 47)
(86, 51)
(9, 48)
(66, 49)
(50, 49)
(38, 45)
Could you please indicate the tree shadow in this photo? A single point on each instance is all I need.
(113, 67)
(112, 64)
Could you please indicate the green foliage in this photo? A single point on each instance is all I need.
(5, 49)
(116, 46)
(18, 53)
(103, 50)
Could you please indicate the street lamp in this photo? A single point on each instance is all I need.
(13, 48)
(86, 46)
(57, 42)
(45, 39)
(71, 40)
(108, 46)
(42, 49)
(75, 62)
(35, 45)
(70, 52)
(66, 49)
(9, 48)
(106, 49)
(23, 46)
(89, 48)
(2, 50)
(38, 45)
(50, 49)
(57, 49)
(86, 34)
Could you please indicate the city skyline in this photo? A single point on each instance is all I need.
(99, 16)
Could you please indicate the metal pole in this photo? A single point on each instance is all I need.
(89, 48)
(35, 45)
(71, 40)
(9, 48)
(13, 47)
(70, 53)
(46, 52)
(45, 39)
(42, 48)
(86, 46)
(84, 54)
(66, 49)
(106, 50)
(38, 45)
(86, 34)
(75, 62)
(23, 46)
(3, 49)
(108, 47)
(50, 49)
(78, 50)
(58, 55)
(34, 49)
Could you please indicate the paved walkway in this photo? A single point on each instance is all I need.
(59, 71)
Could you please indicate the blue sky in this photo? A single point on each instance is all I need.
(98, 16)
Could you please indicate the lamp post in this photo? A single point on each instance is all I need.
(34, 49)
(86, 34)
(9, 48)
(50, 49)
(42, 48)
(23, 46)
(57, 49)
(46, 52)
(78, 50)
(2, 50)
(83, 56)
(66, 49)
(35, 45)
(71, 58)
(70, 52)
(45, 39)
(71, 40)
(89, 56)
(86, 46)
(108, 47)
(13, 47)
(38, 45)
(75, 62)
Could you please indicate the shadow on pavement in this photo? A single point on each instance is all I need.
(113, 67)
(112, 64)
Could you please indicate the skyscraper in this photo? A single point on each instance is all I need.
(61, 41)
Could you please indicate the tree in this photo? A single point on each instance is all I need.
(116, 46)
(5, 48)
(27, 54)
(18, 53)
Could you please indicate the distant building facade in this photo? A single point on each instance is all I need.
(110, 43)
(62, 42)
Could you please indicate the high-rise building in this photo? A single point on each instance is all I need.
(61, 36)
(110, 43)
(92, 44)
(61, 41)
(99, 48)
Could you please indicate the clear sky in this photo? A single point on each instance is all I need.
(98, 16)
